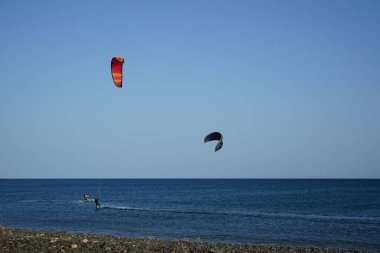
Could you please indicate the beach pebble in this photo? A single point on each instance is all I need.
(74, 246)
(85, 241)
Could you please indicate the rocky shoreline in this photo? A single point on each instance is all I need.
(21, 240)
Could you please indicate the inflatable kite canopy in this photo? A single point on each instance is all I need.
(215, 136)
(117, 71)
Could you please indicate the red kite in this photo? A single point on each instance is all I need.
(117, 71)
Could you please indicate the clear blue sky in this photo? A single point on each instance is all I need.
(294, 86)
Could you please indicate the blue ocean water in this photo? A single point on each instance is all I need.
(318, 213)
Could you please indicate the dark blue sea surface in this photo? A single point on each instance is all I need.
(318, 213)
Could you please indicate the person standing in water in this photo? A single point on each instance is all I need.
(97, 202)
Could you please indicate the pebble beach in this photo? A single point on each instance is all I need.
(22, 240)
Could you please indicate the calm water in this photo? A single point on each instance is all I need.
(320, 213)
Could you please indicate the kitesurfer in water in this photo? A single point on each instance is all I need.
(97, 203)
